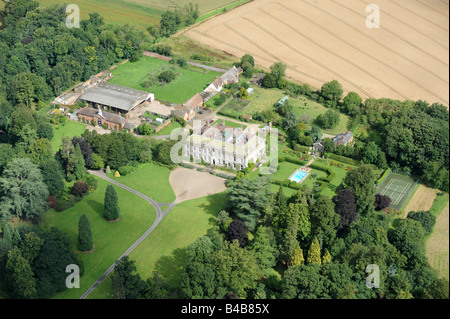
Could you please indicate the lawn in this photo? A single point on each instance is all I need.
(187, 83)
(230, 124)
(70, 128)
(111, 240)
(168, 129)
(164, 250)
(151, 180)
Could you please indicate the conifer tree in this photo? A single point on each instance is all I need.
(326, 257)
(314, 253)
(84, 234)
(112, 209)
(297, 258)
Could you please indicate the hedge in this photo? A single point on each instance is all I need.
(342, 159)
(383, 177)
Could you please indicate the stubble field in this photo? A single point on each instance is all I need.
(319, 41)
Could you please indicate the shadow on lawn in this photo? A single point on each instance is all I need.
(215, 203)
(171, 267)
(96, 206)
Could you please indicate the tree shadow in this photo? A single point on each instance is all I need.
(96, 206)
(215, 203)
(171, 267)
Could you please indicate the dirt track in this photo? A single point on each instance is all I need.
(190, 183)
(406, 58)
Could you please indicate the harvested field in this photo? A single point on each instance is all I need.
(189, 184)
(437, 245)
(319, 41)
(422, 200)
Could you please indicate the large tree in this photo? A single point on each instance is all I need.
(111, 203)
(23, 191)
(247, 200)
(361, 182)
(85, 241)
(126, 282)
(345, 207)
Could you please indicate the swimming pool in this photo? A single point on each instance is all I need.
(298, 176)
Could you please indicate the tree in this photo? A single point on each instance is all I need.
(303, 282)
(85, 242)
(297, 257)
(264, 246)
(326, 257)
(328, 120)
(324, 219)
(20, 276)
(52, 176)
(31, 246)
(243, 93)
(290, 121)
(23, 191)
(314, 253)
(97, 162)
(247, 199)
(352, 102)
(126, 282)
(45, 130)
(112, 209)
(40, 151)
(166, 76)
(381, 201)
(426, 219)
(345, 207)
(328, 145)
(360, 181)
(332, 91)
(278, 71)
(316, 133)
(247, 58)
(238, 230)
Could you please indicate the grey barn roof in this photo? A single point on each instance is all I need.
(116, 96)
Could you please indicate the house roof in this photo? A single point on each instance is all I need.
(116, 96)
(231, 75)
(257, 78)
(343, 137)
(108, 116)
(194, 101)
(218, 82)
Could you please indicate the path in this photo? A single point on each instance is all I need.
(159, 216)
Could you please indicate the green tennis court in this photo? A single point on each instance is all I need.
(398, 188)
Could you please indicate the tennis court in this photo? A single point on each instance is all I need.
(398, 188)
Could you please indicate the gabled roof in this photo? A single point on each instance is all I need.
(194, 101)
(343, 137)
(231, 75)
(108, 116)
(116, 96)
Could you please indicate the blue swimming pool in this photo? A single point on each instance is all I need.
(298, 177)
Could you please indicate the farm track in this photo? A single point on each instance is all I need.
(347, 60)
(396, 35)
(422, 17)
(372, 39)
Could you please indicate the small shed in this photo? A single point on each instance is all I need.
(250, 91)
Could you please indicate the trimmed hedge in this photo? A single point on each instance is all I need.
(342, 159)
(383, 177)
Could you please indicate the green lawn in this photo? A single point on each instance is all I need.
(169, 128)
(70, 128)
(187, 83)
(151, 180)
(164, 250)
(111, 240)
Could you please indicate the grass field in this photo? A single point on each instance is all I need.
(151, 180)
(422, 199)
(187, 83)
(437, 246)
(110, 239)
(70, 128)
(169, 128)
(164, 250)
(320, 41)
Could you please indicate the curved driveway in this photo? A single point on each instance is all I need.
(159, 216)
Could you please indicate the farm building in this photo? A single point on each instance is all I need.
(215, 86)
(184, 113)
(194, 103)
(112, 121)
(343, 139)
(115, 97)
(257, 79)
